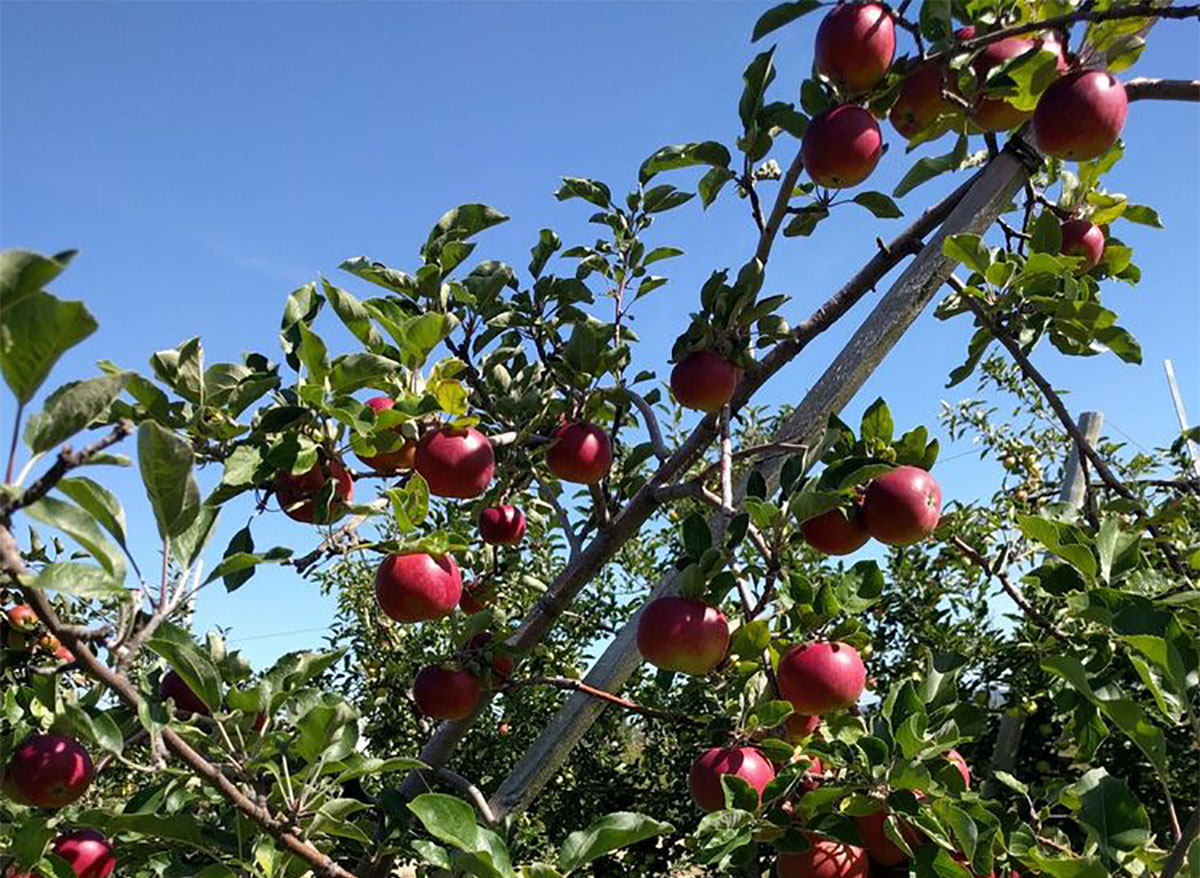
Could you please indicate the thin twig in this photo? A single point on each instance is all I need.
(564, 521)
(461, 784)
(1012, 591)
(67, 461)
(656, 440)
(12, 446)
(1144, 89)
(1179, 852)
(767, 238)
(574, 685)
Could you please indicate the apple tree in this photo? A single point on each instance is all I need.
(499, 490)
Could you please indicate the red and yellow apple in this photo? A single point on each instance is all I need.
(682, 634)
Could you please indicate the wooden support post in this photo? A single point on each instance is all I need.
(1181, 413)
(976, 212)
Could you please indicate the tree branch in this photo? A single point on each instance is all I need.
(461, 784)
(1179, 852)
(67, 461)
(1011, 590)
(1144, 89)
(13, 565)
(779, 210)
(564, 522)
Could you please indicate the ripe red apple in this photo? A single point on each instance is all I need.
(502, 525)
(1085, 239)
(855, 45)
(821, 677)
(836, 532)
(446, 692)
(920, 100)
(418, 587)
(580, 452)
(881, 849)
(703, 380)
(995, 113)
(841, 147)
(88, 852)
(51, 644)
(825, 858)
(475, 597)
(260, 723)
(682, 634)
(961, 764)
(704, 779)
(297, 493)
(22, 617)
(398, 459)
(902, 507)
(1080, 116)
(502, 665)
(186, 701)
(50, 771)
(801, 727)
(455, 462)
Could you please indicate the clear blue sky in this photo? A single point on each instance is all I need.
(207, 158)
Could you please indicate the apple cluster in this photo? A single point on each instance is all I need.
(899, 508)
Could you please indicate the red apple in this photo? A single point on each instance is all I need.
(1085, 239)
(995, 113)
(502, 665)
(186, 701)
(418, 587)
(390, 461)
(836, 532)
(703, 380)
(502, 525)
(903, 506)
(580, 452)
(961, 764)
(801, 727)
(297, 493)
(475, 597)
(855, 45)
(920, 100)
(455, 462)
(446, 692)
(22, 617)
(88, 852)
(260, 723)
(841, 147)
(704, 779)
(881, 849)
(51, 771)
(682, 634)
(1080, 116)
(825, 858)
(821, 677)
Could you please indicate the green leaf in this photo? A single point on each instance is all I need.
(755, 80)
(879, 204)
(860, 587)
(777, 16)
(235, 563)
(381, 275)
(165, 461)
(458, 224)
(877, 422)
(659, 253)
(452, 822)
(80, 579)
(805, 222)
(186, 658)
(711, 183)
(1063, 540)
(23, 272)
(968, 249)
(927, 168)
(410, 503)
(548, 243)
(697, 537)
(592, 191)
(722, 833)
(352, 313)
(605, 835)
(182, 827)
(685, 155)
(1143, 215)
(82, 528)
(71, 408)
(326, 726)
(1121, 343)
(34, 332)
(97, 501)
(182, 369)
(664, 197)
(189, 545)
(1125, 714)
(1046, 236)
(1111, 811)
